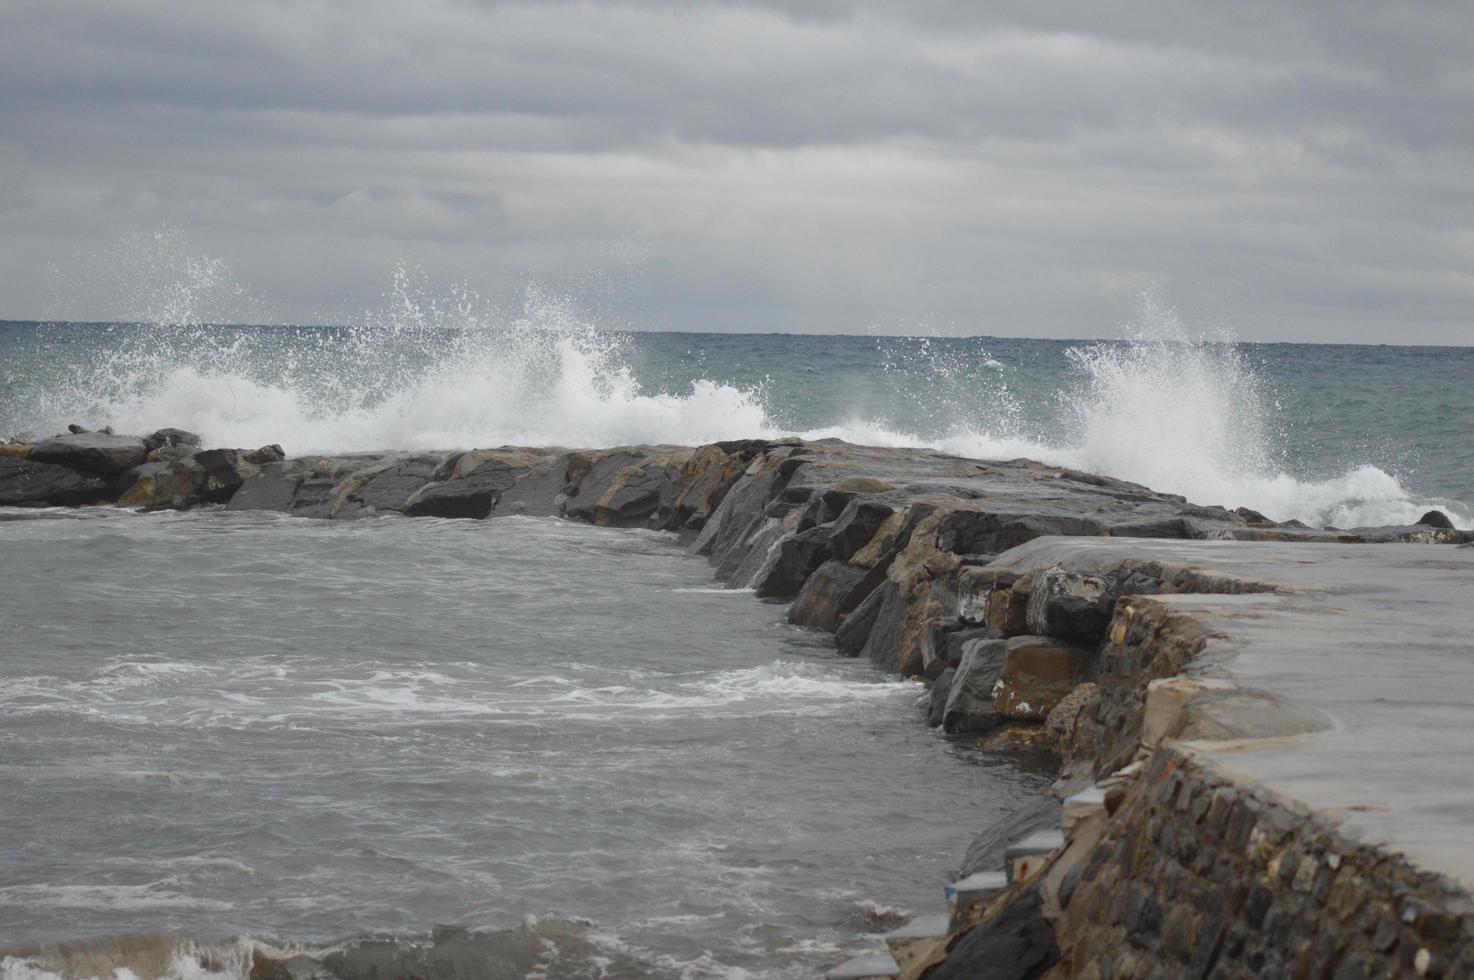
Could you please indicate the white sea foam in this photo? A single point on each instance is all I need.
(436, 370)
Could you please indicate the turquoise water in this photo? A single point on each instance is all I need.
(1343, 435)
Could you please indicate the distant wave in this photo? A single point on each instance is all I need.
(1174, 412)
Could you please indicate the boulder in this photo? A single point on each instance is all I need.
(15, 450)
(179, 484)
(537, 493)
(1436, 518)
(883, 645)
(820, 600)
(984, 532)
(798, 557)
(1069, 605)
(31, 483)
(271, 489)
(473, 495)
(936, 703)
(161, 438)
(93, 452)
(969, 707)
(225, 470)
(854, 631)
(1038, 671)
(388, 490)
(861, 518)
(987, 851)
(1016, 943)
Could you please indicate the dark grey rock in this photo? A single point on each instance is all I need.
(854, 631)
(32, 483)
(986, 850)
(1435, 518)
(93, 452)
(857, 524)
(536, 494)
(271, 489)
(224, 472)
(169, 437)
(883, 645)
(969, 531)
(936, 705)
(823, 593)
(970, 705)
(391, 489)
(799, 556)
(473, 495)
(1070, 605)
(1017, 943)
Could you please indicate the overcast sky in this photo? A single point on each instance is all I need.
(1018, 169)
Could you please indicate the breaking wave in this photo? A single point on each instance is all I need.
(442, 369)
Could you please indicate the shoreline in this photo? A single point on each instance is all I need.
(1121, 625)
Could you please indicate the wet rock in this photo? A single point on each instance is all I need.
(536, 494)
(1069, 605)
(273, 488)
(15, 450)
(883, 645)
(177, 484)
(820, 600)
(936, 705)
(1017, 943)
(987, 850)
(1436, 518)
(92, 452)
(970, 531)
(161, 438)
(859, 521)
(472, 496)
(224, 472)
(266, 454)
(1038, 671)
(854, 632)
(969, 706)
(32, 483)
(388, 490)
(799, 556)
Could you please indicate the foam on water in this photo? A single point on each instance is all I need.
(442, 369)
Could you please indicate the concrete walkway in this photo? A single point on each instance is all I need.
(1373, 645)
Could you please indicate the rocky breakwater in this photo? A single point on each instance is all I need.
(1037, 602)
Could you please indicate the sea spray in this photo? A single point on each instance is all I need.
(435, 367)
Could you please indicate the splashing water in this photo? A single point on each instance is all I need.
(444, 369)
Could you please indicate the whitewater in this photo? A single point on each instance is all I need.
(1288, 431)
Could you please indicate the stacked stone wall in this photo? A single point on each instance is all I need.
(1201, 875)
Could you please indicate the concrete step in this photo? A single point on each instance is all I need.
(866, 966)
(1023, 859)
(1081, 807)
(921, 927)
(974, 890)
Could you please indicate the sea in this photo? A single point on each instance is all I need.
(527, 748)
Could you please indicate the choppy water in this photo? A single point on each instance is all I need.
(1330, 435)
(220, 725)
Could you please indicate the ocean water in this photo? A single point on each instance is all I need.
(234, 731)
(238, 729)
(1329, 435)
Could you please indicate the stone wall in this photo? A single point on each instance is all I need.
(1200, 875)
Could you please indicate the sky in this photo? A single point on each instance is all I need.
(1284, 171)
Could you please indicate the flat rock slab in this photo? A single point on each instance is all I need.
(1377, 641)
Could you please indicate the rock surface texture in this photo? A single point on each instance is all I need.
(1270, 723)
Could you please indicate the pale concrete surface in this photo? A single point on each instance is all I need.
(1377, 641)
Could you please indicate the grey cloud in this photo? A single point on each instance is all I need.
(1007, 167)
